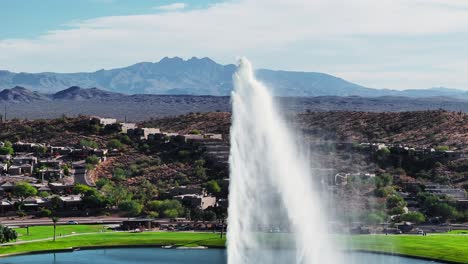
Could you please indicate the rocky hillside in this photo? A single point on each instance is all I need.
(420, 128)
(76, 93)
(21, 95)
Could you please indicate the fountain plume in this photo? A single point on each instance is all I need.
(275, 204)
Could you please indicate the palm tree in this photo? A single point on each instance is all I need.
(55, 219)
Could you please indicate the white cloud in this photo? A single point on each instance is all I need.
(335, 36)
(171, 7)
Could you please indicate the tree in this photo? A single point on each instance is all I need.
(396, 211)
(445, 211)
(167, 208)
(7, 149)
(200, 170)
(44, 212)
(7, 234)
(209, 216)
(395, 201)
(44, 194)
(145, 192)
(114, 144)
(374, 219)
(383, 180)
(384, 191)
(212, 186)
(89, 143)
(84, 190)
(116, 194)
(66, 170)
(55, 220)
(23, 190)
(414, 217)
(131, 207)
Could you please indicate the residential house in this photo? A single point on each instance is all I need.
(446, 191)
(51, 163)
(26, 169)
(51, 174)
(71, 202)
(196, 201)
(103, 121)
(126, 126)
(57, 187)
(14, 170)
(20, 160)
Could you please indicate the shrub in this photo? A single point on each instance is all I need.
(167, 208)
(195, 132)
(442, 148)
(114, 144)
(89, 143)
(44, 212)
(414, 217)
(395, 201)
(131, 207)
(374, 219)
(93, 160)
(384, 191)
(212, 186)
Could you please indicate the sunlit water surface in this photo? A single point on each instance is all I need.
(173, 256)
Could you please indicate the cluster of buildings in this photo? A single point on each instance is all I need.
(421, 152)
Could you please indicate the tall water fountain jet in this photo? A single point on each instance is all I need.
(276, 212)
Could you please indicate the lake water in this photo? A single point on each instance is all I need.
(171, 256)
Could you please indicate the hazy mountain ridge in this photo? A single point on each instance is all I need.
(203, 76)
(24, 103)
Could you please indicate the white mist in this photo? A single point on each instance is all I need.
(277, 213)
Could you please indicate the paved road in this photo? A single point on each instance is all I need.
(48, 221)
(82, 177)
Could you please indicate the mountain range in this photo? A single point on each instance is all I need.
(202, 76)
(22, 103)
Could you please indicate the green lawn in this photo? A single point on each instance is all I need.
(443, 247)
(38, 232)
(446, 247)
(458, 232)
(121, 239)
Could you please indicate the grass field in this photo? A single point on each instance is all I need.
(120, 239)
(39, 232)
(445, 247)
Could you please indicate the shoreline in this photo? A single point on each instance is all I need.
(72, 249)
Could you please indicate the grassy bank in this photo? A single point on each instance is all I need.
(40, 232)
(120, 239)
(445, 247)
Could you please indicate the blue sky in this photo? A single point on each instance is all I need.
(396, 44)
(27, 19)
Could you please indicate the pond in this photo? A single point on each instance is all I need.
(171, 256)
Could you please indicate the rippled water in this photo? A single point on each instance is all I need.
(171, 256)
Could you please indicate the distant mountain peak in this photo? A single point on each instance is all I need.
(171, 60)
(77, 93)
(199, 76)
(21, 94)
